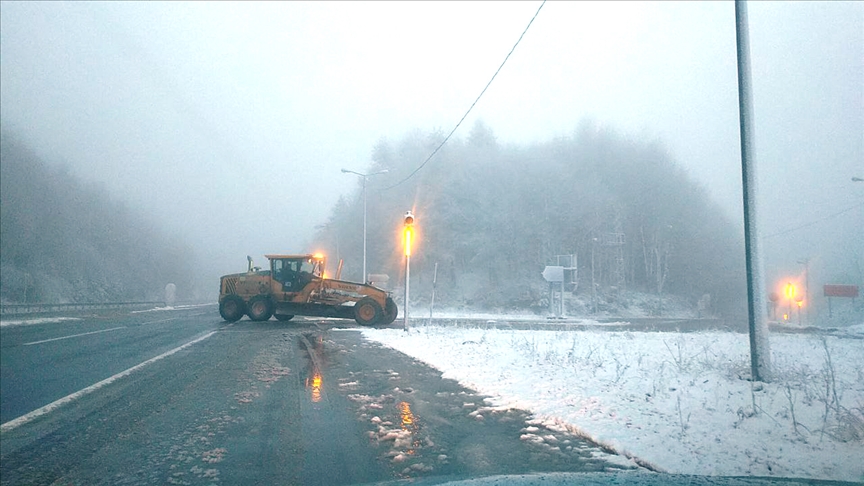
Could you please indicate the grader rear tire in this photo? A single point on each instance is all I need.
(390, 312)
(367, 312)
(260, 308)
(232, 308)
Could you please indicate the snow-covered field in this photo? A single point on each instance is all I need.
(681, 402)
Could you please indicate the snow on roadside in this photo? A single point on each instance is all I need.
(493, 318)
(857, 329)
(38, 320)
(461, 314)
(681, 402)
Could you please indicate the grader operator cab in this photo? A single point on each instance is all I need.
(295, 285)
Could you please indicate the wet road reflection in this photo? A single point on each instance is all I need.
(334, 450)
(423, 425)
(407, 417)
(315, 352)
(314, 384)
(411, 423)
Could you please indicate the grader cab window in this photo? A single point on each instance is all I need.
(285, 270)
(312, 266)
(307, 265)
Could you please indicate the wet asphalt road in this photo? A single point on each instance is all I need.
(305, 402)
(45, 362)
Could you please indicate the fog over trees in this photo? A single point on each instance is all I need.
(68, 241)
(492, 215)
(227, 124)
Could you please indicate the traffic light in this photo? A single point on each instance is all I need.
(789, 291)
(408, 221)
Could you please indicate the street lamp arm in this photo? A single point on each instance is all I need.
(364, 176)
(346, 171)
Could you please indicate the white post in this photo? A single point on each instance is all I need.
(434, 285)
(365, 279)
(561, 302)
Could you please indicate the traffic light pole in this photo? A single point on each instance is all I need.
(408, 223)
(407, 281)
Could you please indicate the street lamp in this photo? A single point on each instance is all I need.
(364, 176)
(857, 179)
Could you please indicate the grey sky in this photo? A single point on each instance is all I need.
(230, 121)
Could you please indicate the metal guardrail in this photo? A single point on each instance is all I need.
(574, 323)
(20, 309)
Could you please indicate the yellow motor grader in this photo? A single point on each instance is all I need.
(295, 285)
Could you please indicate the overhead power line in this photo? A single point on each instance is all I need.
(472, 104)
(811, 223)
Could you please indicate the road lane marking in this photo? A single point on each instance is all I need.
(80, 393)
(30, 322)
(72, 336)
(156, 322)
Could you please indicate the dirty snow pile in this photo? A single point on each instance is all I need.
(681, 402)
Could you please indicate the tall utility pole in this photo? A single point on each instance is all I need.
(760, 354)
(806, 263)
(364, 176)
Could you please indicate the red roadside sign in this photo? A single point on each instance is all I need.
(837, 290)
